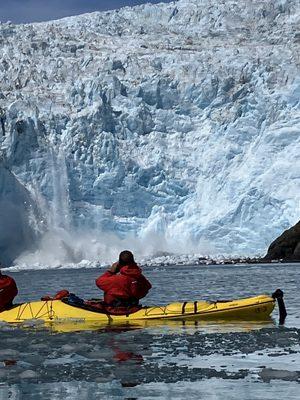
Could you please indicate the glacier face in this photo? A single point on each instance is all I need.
(19, 216)
(171, 127)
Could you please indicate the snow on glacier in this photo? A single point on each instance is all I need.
(164, 128)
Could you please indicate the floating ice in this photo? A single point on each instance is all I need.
(28, 374)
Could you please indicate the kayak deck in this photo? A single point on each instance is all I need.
(57, 311)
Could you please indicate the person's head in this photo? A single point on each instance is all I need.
(126, 258)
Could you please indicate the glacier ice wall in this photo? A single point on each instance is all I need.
(171, 127)
(19, 217)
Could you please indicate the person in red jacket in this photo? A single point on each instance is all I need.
(123, 284)
(8, 291)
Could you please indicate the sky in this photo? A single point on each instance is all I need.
(24, 11)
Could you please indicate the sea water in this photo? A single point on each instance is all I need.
(205, 361)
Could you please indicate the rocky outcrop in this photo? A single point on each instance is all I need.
(287, 246)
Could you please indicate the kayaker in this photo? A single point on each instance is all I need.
(123, 284)
(8, 291)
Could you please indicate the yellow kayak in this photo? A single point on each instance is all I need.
(59, 312)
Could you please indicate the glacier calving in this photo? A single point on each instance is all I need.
(19, 216)
(165, 128)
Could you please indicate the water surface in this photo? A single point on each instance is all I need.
(209, 361)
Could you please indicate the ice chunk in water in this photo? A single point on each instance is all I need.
(8, 353)
(28, 374)
(67, 348)
(267, 374)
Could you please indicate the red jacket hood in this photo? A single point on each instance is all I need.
(132, 270)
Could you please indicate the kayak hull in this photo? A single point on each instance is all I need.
(58, 312)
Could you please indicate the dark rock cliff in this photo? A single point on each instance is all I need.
(286, 246)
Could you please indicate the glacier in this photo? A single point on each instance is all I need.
(169, 128)
(19, 216)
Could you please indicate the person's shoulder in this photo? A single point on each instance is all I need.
(7, 278)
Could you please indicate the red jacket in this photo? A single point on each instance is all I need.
(130, 283)
(8, 291)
